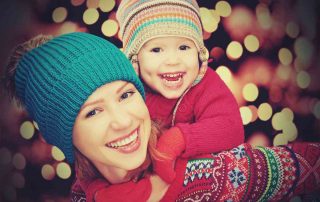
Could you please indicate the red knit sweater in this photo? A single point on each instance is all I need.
(208, 116)
(241, 174)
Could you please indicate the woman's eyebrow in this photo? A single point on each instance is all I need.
(122, 87)
(90, 104)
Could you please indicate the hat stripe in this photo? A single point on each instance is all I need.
(162, 20)
(160, 6)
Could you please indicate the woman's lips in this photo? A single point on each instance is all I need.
(127, 144)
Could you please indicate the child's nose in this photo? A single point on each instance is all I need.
(172, 58)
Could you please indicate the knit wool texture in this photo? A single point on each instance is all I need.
(141, 21)
(55, 79)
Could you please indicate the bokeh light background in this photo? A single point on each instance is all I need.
(267, 52)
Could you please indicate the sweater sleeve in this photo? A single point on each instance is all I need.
(218, 125)
(248, 174)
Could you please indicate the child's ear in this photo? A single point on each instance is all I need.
(135, 64)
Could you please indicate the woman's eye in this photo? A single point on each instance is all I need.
(126, 95)
(155, 50)
(184, 47)
(91, 113)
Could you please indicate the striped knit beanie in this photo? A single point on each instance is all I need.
(143, 20)
(55, 79)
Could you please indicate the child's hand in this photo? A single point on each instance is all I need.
(171, 144)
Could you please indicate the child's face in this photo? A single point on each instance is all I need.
(169, 65)
(113, 127)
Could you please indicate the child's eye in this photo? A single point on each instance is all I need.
(184, 47)
(126, 95)
(155, 50)
(92, 113)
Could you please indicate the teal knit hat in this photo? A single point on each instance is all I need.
(55, 79)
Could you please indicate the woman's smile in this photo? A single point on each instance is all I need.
(126, 144)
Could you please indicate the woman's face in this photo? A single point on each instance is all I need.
(112, 128)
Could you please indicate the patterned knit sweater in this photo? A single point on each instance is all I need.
(208, 116)
(241, 174)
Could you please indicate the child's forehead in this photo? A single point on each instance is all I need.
(168, 40)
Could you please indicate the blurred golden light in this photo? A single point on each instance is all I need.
(59, 14)
(209, 21)
(19, 161)
(264, 111)
(47, 172)
(234, 50)
(263, 16)
(92, 3)
(63, 170)
(280, 139)
(17, 180)
(290, 131)
(215, 16)
(35, 125)
(285, 56)
(9, 193)
(278, 121)
(5, 155)
(303, 79)
(287, 114)
(251, 43)
(250, 92)
(223, 8)
(77, 2)
(316, 109)
(292, 29)
(27, 130)
(224, 73)
(90, 16)
(109, 28)
(106, 5)
(283, 72)
(57, 154)
(246, 114)
(303, 49)
(68, 27)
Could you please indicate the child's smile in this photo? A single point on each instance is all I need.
(172, 80)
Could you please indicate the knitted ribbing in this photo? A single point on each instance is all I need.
(143, 20)
(55, 79)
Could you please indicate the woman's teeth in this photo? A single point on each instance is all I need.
(125, 141)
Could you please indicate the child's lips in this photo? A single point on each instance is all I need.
(172, 80)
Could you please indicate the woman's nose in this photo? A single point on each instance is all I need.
(120, 119)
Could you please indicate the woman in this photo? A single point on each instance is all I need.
(88, 101)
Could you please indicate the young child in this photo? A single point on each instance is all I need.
(163, 39)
